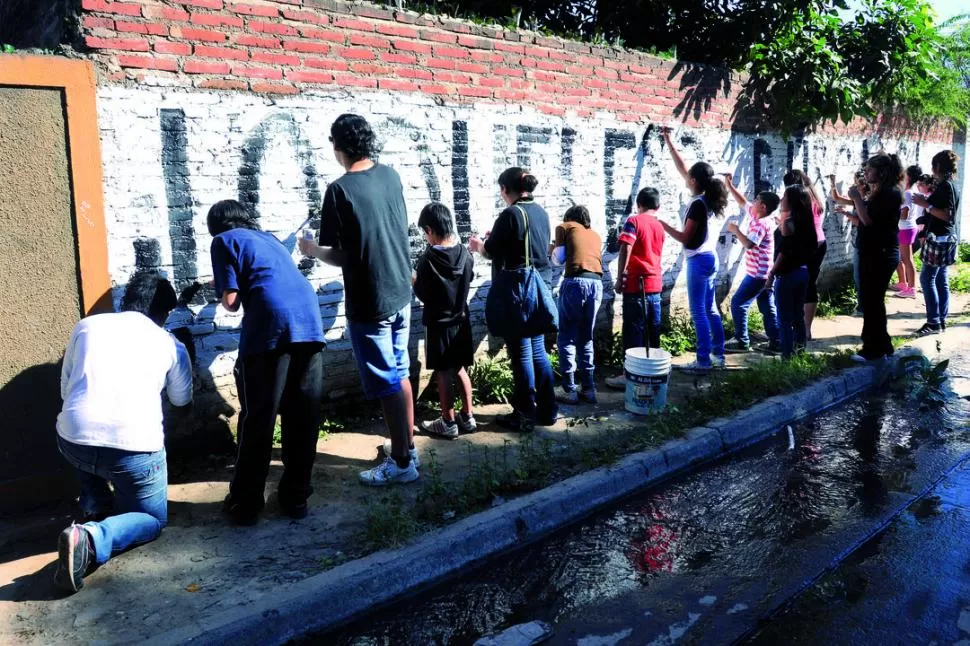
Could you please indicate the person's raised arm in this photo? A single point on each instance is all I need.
(675, 154)
(837, 197)
(738, 195)
(861, 207)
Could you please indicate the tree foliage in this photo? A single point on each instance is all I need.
(808, 61)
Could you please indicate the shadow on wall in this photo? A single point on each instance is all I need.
(700, 85)
(34, 471)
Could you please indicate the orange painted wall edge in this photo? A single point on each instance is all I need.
(77, 80)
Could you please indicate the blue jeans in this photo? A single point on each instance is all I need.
(701, 277)
(749, 290)
(635, 321)
(140, 497)
(381, 350)
(936, 292)
(534, 396)
(579, 301)
(790, 290)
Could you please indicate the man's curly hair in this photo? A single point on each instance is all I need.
(353, 136)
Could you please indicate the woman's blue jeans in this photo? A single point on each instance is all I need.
(139, 499)
(535, 390)
(701, 278)
(790, 290)
(936, 293)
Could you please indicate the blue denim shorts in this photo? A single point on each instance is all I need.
(381, 350)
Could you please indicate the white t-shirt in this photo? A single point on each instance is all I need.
(915, 212)
(115, 368)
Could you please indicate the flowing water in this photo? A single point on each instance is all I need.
(707, 556)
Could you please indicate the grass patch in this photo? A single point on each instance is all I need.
(608, 351)
(960, 277)
(963, 252)
(678, 336)
(492, 381)
(838, 301)
(389, 523)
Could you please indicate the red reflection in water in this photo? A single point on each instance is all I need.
(654, 550)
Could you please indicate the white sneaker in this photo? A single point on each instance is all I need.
(466, 423)
(564, 396)
(441, 428)
(389, 473)
(412, 453)
(718, 362)
(616, 383)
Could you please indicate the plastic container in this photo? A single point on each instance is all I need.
(647, 377)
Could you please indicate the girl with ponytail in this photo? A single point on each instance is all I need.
(710, 198)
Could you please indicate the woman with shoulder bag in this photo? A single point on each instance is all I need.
(940, 248)
(519, 307)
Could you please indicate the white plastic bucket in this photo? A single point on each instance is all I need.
(646, 380)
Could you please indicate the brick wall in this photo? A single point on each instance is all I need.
(201, 100)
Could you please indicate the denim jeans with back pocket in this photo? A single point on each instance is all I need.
(139, 501)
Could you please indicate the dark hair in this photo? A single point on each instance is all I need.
(150, 295)
(353, 136)
(945, 162)
(437, 217)
(889, 170)
(715, 193)
(796, 176)
(518, 180)
(648, 199)
(800, 210)
(913, 173)
(578, 214)
(227, 215)
(770, 200)
(927, 179)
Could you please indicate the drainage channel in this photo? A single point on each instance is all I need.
(707, 557)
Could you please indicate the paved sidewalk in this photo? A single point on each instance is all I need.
(201, 566)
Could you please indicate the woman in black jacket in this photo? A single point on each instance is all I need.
(878, 242)
(534, 399)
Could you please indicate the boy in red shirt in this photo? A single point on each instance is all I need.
(641, 249)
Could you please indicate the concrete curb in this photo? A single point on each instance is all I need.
(326, 600)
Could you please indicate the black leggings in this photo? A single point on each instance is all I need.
(814, 267)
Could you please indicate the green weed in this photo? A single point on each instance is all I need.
(678, 336)
(839, 301)
(960, 278)
(963, 252)
(608, 351)
(388, 523)
(492, 381)
(924, 382)
(277, 433)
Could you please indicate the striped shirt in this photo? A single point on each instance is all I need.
(758, 258)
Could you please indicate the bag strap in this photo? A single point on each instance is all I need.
(528, 255)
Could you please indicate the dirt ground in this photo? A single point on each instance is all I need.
(201, 566)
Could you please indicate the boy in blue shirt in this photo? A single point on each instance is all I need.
(280, 365)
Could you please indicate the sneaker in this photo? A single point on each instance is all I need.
(616, 383)
(389, 473)
(564, 396)
(695, 366)
(771, 348)
(736, 347)
(515, 421)
(73, 558)
(943, 325)
(549, 421)
(908, 292)
(897, 287)
(441, 427)
(466, 422)
(928, 329)
(588, 396)
(239, 513)
(718, 362)
(412, 453)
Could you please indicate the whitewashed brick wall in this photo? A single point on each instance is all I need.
(169, 154)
